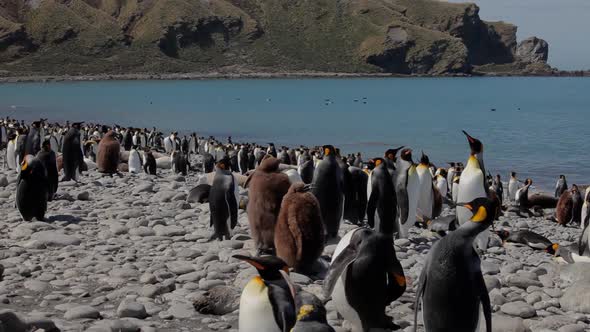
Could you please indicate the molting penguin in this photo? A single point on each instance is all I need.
(311, 314)
(267, 302)
(407, 186)
(382, 200)
(576, 205)
(356, 207)
(107, 158)
(429, 199)
(560, 186)
(49, 161)
(585, 218)
(299, 233)
(564, 209)
(473, 185)
(72, 153)
(134, 160)
(223, 202)
(267, 187)
(451, 286)
(32, 189)
(150, 166)
(366, 269)
(328, 189)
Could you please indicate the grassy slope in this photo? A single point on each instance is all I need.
(316, 35)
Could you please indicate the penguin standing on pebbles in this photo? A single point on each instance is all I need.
(473, 185)
(367, 268)
(150, 165)
(299, 233)
(451, 286)
(381, 208)
(585, 216)
(328, 188)
(407, 185)
(48, 159)
(223, 202)
(267, 303)
(72, 153)
(32, 189)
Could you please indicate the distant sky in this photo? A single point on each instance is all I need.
(564, 24)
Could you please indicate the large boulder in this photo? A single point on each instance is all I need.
(576, 297)
(532, 50)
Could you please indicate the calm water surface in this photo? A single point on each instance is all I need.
(539, 128)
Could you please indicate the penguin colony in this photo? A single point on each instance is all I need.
(297, 200)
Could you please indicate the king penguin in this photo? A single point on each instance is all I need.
(441, 183)
(367, 268)
(429, 199)
(11, 152)
(328, 188)
(299, 232)
(311, 314)
(513, 186)
(585, 218)
(49, 161)
(72, 154)
(134, 160)
(451, 286)
(355, 208)
(32, 189)
(473, 185)
(382, 205)
(560, 186)
(223, 202)
(267, 303)
(407, 186)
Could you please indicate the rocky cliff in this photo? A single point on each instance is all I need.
(83, 37)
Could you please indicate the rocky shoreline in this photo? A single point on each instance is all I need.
(266, 75)
(130, 253)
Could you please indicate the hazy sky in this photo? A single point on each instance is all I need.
(564, 24)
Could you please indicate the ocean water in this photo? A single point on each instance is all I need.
(539, 128)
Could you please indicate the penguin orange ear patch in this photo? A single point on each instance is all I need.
(401, 280)
(481, 215)
(327, 151)
(377, 162)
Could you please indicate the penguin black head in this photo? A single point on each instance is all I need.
(513, 174)
(309, 308)
(406, 155)
(475, 144)
(375, 162)
(483, 210)
(328, 150)
(424, 160)
(503, 234)
(528, 182)
(562, 177)
(392, 153)
(269, 267)
(46, 145)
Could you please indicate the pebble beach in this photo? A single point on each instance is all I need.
(130, 253)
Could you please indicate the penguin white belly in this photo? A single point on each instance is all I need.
(370, 185)
(10, 155)
(470, 188)
(343, 243)
(256, 313)
(455, 191)
(236, 189)
(135, 140)
(413, 192)
(167, 145)
(143, 141)
(425, 196)
(293, 176)
(451, 176)
(134, 162)
(512, 188)
(442, 186)
(54, 142)
(342, 305)
(517, 196)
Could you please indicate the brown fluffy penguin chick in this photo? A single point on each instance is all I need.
(564, 209)
(107, 158)
(267, 186)
(299, 233)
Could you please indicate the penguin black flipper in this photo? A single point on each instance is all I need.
(583, 241)
(282, 303)
(484, 299)
(337, 267)
(403, 202)
(396, 282)
(233, 206)
(419, 293)
(372, 206)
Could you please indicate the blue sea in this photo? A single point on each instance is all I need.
(537, 127)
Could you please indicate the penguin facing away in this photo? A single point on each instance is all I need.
(299, 232)
(311, 314)
(267, 302)
(150, 165)
(381, 208)
(328, 188)
(49, 161)
(223, 202)
(366, 269)
(560, 186)
(71, 153)
(32, 189)
(451, 286)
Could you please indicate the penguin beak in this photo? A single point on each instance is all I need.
(466, 205)
(469, 137)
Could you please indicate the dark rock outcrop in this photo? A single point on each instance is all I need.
(532, 50)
